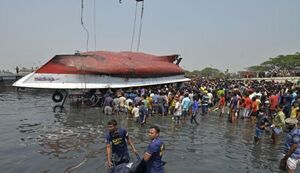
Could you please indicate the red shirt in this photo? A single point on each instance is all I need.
(222, 101)
(248, 103)
(254, 106)
(273, 102)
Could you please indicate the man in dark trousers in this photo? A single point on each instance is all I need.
(195, 107)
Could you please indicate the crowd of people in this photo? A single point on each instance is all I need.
(268, 105)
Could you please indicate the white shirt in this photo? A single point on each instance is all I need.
(178, 109)
(210, 97)
(135, 111)
(127, 103)
(122, 101)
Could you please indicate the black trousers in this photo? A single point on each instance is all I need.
(193, 118)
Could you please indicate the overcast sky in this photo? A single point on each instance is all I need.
(224, 34)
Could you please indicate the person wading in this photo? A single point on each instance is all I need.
(154, 152)
(116, 146)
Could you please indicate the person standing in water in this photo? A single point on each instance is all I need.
(186, 102)
(278, 124)
(177, 110)
(155, 150)
(261, 125)
(195, 110)
(221, 105)
(291, 147)
(116, 146)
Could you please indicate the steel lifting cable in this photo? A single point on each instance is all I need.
(141, 22)
(87, 45)
(82, 24)
(95, 36)
(134, 23)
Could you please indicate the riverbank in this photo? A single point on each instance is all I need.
(10, 78)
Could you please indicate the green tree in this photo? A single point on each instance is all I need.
(210, 72)
(206, 72)
(281, 62)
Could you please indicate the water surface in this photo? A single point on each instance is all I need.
(35, 139)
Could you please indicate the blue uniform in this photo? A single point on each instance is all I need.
(119, 146)
(293, 137)
(155, 164)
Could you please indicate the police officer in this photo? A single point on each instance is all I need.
(291, 146)
(116, 146)
(154, 153)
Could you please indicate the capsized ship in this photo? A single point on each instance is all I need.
(105, 69)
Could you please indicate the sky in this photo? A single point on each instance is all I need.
(223, 34)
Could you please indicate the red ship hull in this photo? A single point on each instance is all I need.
(104, 69)
(123, 64)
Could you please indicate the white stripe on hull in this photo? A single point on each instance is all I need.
(75, 81)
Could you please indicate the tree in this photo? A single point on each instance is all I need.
(279, 62)
(258, 68)
(206, 72)
(210, 72)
